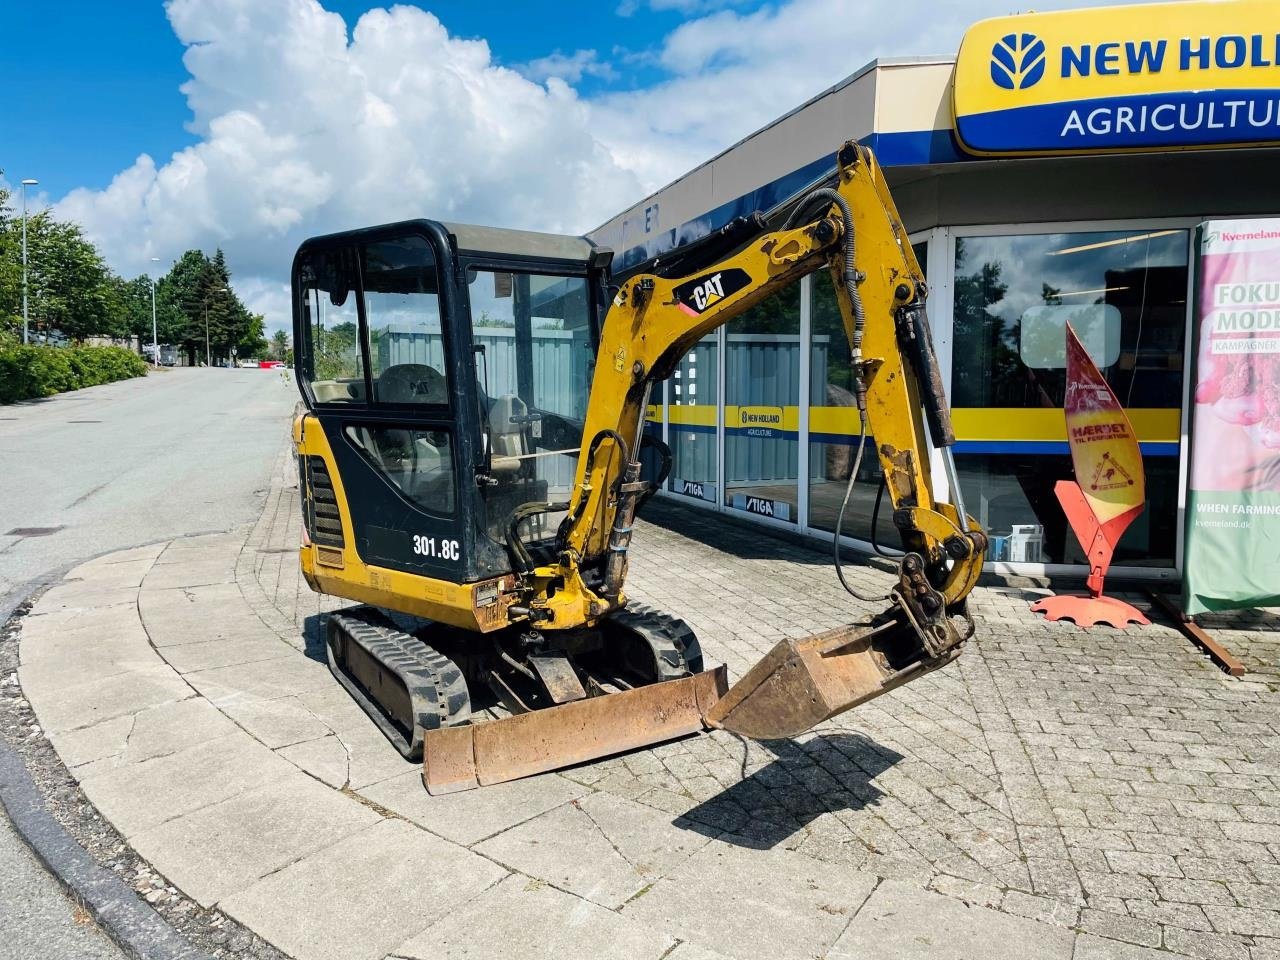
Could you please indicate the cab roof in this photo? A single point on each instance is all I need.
(520, 243)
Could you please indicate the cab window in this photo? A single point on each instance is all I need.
(402, 311)
(333, 361)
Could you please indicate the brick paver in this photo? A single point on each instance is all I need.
(1111, 781)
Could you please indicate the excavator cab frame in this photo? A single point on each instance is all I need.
(436, 435)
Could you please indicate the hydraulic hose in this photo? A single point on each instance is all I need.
(844, 505)
(849, 274)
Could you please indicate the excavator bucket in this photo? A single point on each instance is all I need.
(479, 754)
(800, 683)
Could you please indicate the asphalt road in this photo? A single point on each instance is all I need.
(182, 451)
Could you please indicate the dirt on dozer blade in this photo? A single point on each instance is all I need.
(479, 754)
(800, 683)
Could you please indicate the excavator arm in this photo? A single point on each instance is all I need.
(853, 230)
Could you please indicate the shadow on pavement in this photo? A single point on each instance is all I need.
(313, 635)
(832, 772)
(746, 539)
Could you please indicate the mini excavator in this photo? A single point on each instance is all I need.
(473, 454)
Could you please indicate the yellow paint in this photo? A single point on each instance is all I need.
(1037, 423)
(697, 415)
(410, 593)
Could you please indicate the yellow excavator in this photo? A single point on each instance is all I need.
(473, 455)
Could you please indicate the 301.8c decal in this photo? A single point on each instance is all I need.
(438, 549)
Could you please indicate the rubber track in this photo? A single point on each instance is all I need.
(437, 690)
(664, 633)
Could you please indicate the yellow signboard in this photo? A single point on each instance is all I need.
(1157, 76)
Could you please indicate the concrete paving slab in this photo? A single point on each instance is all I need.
(78, 626)
(69, 664)
(604, 848)
(363, 896)
(525, 919)
(279, 723)
(115, 630)
(325, 759)
(102, 740)
(84, 595)
(172, 727)
(193, 657)
(194, 572)
(197, 614)
(903, 921)
(266, 680)
(1089, 947)
(693, 951)
(747, 903)
(472, 815)
(188, 549)
(223, 848)
(66, 707)
(148, 552)
(370, 756)
(138, 796)
(155, 732)
(122, 573)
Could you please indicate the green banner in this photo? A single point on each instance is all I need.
(1232, 557)
(1233, 550)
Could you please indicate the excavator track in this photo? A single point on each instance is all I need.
(675, 648)
(406, 686)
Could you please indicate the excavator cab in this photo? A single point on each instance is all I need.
(449, 368)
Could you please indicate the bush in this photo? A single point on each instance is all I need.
(39, 371)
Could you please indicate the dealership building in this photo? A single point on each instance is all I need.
(1055, 169)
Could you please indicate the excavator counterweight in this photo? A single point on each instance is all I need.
(474, 455)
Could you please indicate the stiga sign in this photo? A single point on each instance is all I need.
(1121, 78)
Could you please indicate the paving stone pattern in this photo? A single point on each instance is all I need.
(1056, 792)
(1110, 780)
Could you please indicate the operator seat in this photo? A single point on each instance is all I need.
(508, 437)
(411, 383)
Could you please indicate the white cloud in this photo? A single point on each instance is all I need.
(570, 68)
(305, 128)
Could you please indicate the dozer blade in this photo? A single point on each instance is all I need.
(800, 683)
(479, 754)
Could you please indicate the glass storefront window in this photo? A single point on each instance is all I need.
(693, 395)
(1125, 294)
(833, 427)
(762, 414)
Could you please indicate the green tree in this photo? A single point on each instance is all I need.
(279, 344)
(70, 288)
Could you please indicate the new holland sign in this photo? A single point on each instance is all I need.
(1121, 78)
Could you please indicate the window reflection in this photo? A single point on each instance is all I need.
(692, 398)
(762, 395)
(1137, 279)
(1125, 293)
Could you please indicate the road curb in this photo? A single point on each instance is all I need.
(123, 916)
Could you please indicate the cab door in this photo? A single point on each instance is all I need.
(378, 369)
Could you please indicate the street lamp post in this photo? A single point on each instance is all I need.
(25, 321)
(155, 342)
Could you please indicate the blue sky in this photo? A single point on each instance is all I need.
(249, 125)
(111, 73)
